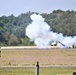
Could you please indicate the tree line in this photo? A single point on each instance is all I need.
(12, 28)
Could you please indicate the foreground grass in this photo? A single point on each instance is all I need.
(43, 71)
(16, 71)
(57, 71)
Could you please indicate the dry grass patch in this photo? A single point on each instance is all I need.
(45, 57)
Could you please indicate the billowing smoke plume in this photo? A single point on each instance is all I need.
(39, 32)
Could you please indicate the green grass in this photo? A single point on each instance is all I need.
(43, 71)
(16, 71)
(57, 71)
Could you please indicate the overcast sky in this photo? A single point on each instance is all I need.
(16, 7)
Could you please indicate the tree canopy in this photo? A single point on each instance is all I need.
(12, 28)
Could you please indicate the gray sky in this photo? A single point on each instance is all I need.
(16, 7)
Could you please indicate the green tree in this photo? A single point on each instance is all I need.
(13, 41)
(26, 41)
(1, 31)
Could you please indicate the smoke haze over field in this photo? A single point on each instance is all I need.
(40, 32)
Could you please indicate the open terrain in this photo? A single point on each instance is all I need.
(46, 57)
(51, 61)
(31, 71)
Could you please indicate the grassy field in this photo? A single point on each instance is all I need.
(43, 71)
(53, 61)
(45, 57)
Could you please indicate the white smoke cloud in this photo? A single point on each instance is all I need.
(39, 32)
